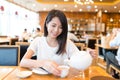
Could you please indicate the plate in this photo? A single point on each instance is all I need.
(39, 71)
(24, 74)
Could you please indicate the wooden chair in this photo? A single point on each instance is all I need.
(81, 46)
(23, 48)
(91, 43)
(13, 40)
(22, 43)
(116, 68)
(9, 55)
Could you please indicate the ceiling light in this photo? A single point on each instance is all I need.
(64, 9)
(66, 0)
(105, 11)
(95, 6)
(111, 19)
(96, 10)
(34, 5)
(44, 9)
(88, 7)
(84, 1)
(75, 6)
(80, 10)
(115, 7)
(55, 5)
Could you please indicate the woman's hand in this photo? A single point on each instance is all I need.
(92, 52)
(51, 67)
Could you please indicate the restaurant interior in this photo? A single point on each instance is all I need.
(91, 21)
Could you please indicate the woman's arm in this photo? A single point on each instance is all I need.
(28, 62)
(48, 65)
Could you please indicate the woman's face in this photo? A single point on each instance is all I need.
(54, 28)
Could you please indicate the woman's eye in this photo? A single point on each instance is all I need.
(53, 26)
(60, 27)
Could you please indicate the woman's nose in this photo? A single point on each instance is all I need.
(56, 29)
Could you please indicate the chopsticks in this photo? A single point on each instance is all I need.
(44, 69)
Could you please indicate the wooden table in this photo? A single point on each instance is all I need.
(5, 70)
(105, 48)
(4, 41)
(73, 74)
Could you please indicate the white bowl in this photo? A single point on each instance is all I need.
(24, 74)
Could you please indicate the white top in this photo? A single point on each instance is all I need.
(40, 46)
(116, 42)
(25, 35)
(37, 34)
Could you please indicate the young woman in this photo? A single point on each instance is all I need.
(53, 47)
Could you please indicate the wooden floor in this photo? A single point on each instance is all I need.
(101, 63)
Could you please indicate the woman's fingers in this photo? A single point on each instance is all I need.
(52, 67)
(92, 52)
(55, 71)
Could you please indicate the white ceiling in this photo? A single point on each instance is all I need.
(67, 7)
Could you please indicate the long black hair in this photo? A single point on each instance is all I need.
(63, 36)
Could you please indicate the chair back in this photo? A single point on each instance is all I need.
(9, 55)
(23, 48)
(13, 40)
(91, 43)
(22, 43)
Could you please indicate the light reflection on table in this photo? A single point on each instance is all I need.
(73, 75)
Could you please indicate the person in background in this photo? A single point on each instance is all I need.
(109, 32)
(25, 36)
(85, 35)
(111, 57)
(37, 33)
(72, 37)
(53, 47)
